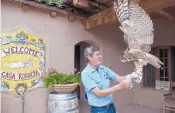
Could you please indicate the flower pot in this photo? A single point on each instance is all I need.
(66, 88)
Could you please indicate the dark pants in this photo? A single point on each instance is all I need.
(106, 109)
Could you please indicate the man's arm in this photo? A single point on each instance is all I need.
(92, 86)
(104, 92)
(120, 78)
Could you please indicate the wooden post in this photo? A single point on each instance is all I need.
(25, 7)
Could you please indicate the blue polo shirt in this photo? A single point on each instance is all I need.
(100, 77)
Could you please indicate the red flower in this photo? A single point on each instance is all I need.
(50, 69)
(75, 70)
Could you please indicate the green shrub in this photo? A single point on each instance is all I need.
(54, 77)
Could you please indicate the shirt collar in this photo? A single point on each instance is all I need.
(91, 69)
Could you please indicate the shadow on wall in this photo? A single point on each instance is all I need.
(109, 33)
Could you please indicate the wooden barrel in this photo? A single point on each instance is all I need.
(63, 103)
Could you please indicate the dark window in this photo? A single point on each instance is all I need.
(166, 73)
(163, 55)
(149, 76)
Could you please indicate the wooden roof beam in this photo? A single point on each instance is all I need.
(108, 15)
(53, 10)
(165, 14)
(136, 1)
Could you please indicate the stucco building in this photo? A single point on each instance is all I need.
(66, 39)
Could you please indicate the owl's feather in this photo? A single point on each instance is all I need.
(138, 32)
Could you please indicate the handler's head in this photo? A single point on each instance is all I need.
(92, 55)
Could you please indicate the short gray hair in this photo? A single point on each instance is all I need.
(89, 51)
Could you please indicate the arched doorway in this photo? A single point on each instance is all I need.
(79, 60)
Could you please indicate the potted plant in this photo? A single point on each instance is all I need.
(62, 82)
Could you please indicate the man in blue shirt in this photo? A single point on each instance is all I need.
(96, 79)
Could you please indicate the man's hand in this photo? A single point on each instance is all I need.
(125, 84)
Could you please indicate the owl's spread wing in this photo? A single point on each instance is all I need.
(135, 23)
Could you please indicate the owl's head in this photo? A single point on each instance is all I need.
(127, 56)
